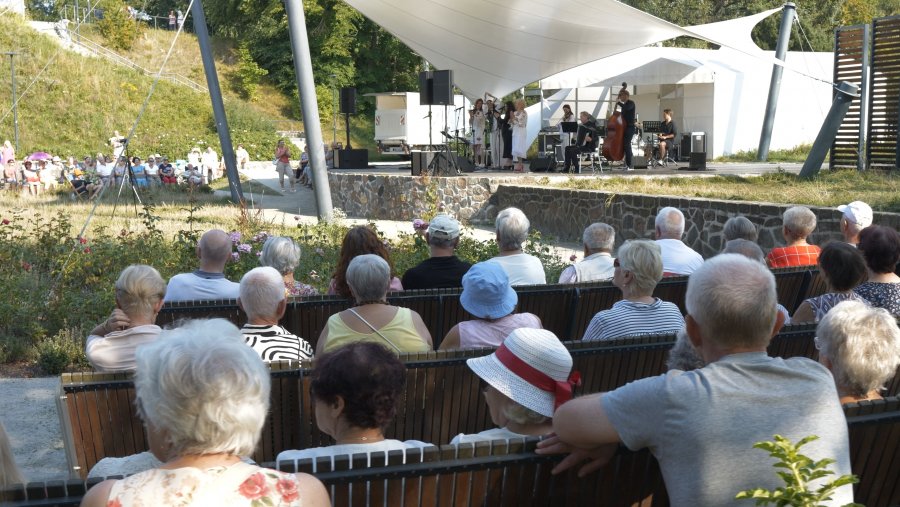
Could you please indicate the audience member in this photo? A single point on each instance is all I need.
(638, 269)
(356, 390)
(358, 241)
(861, 347)
(242, 157)
(855, 217)
(152, 172)
(751, 250)
(488, 296)
(443, 270)
(9, 471)
(739, 227)
(207, 282)
(880, 247)
(203, 396)
(677, 258)
(512, 230)
(683, 356)
(262, 299)
(597, 265)
(373, 319)
(525, 380)
(140, 172)
(10, 174)
(31, 177)
(139, 296)
(843, 268)
(799, 222)
(167, 173)
(281, 253)
(713, 416)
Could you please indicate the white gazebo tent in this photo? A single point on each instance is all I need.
(720, 92)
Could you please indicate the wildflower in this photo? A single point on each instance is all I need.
(235, 237)
(320, 251)
(5, 222)
(573, 257)
(82, 240)
(235, 256)
(419, 224)
(87, 250)
(26, 266)
(244, 248)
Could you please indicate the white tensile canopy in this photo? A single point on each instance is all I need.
(498, 46)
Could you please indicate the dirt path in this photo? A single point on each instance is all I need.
(28, 410)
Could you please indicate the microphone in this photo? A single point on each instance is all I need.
(460, 108)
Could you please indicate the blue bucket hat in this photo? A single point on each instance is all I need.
(486, 291)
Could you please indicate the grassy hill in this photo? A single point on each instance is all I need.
(73, 107)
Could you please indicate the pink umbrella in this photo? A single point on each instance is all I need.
(39, 155)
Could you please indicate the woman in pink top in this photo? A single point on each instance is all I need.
(488, 296)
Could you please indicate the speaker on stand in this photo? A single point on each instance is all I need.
(348, 107)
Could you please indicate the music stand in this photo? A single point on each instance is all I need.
(569, 127)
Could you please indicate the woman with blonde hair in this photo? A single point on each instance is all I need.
(139, 296)
(519, 135)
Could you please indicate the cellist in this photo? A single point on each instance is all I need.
(627, 108)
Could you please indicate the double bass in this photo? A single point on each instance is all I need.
(614, 142)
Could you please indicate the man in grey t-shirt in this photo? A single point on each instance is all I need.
(701, 425)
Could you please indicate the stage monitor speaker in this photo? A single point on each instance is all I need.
(436, 88)
(697, 162)
(639, 162)
(348, 100)
(684, 154)
(465, 165)
(542, 164)
(420, 161)
(351, 159)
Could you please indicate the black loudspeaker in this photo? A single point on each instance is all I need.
(348, 100)
(639, 162)
(542, 164)
(465, 165)
(685, 152)
(351, 159)
(697, 162)
(420, 161)
(436, 88)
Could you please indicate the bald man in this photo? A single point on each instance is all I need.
(207, 282)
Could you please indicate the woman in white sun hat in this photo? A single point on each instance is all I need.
(526, 379)
(488, 296)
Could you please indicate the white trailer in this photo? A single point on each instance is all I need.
(401, 123)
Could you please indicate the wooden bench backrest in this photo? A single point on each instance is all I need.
(875, 450)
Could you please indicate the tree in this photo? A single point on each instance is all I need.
(117, 26)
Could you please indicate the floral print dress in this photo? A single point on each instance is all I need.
(184, 486)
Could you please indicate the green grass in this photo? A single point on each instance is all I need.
(831, 188)
(796, 154)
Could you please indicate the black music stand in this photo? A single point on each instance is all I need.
(569, 127)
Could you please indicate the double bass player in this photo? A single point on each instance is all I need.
(627, 108)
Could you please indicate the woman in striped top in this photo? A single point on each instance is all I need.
(638, 269)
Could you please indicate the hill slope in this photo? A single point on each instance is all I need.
(77, 102)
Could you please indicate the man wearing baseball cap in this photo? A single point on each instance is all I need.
(443, 270)
(856, 216)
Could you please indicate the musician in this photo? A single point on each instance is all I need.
(628, 109)
(565, 138)
(506, 122)
(477, 119)
(667, 136)
(519, 135)
(585, 142)
(496, 136)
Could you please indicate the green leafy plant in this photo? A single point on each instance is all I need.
(797, 471)
(248, 73)
(117, 26)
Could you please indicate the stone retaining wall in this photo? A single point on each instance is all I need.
(564, 213)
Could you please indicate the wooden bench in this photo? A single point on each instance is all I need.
(565, 310)
(875, 450)
(442, 399)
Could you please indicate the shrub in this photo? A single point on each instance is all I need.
(117, 26)
(248, 73)
(62, 351)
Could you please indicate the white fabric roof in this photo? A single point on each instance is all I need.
(641, 66)
(498, 46)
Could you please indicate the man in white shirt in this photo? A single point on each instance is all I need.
(208, 282)
(512, 230)
(856, 216)
(242, 156)
(678, 258)
(210, 162)
(701, 425)
(597, 264)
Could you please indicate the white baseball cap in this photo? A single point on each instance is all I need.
(443, 227)
(857, 212)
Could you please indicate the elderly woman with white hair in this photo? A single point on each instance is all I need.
(525, 380)
(512, 230)
(798, 223)
(598, 240)
(861, 347)
(638, 269)
(139, 296)
(740, 227)
(373, 319)
(283, 254)
(203, 396)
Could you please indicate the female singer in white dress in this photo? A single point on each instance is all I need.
(476, 117)
(565, 138)
(519, 134)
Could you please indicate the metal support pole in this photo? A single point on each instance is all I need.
(784, 38)
(865, 62)
(215, 95)
(12, 70)
(309, 105)
(334, 107)
(846, 93)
